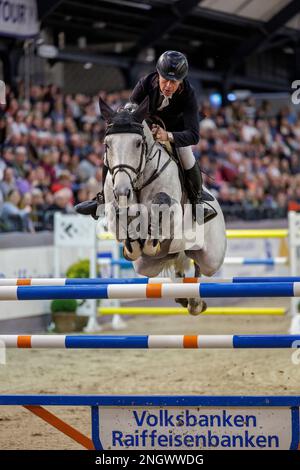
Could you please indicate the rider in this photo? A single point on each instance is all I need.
(172, 99)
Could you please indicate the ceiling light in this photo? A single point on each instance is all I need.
(99, 24)
(118, 47)
(196, 43)
(288, 50)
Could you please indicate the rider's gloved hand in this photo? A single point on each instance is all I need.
(159, 133)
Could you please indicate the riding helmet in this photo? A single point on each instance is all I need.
(172, 65)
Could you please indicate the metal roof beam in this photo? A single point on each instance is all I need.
(45, 7)
(103, 34)
(101, 9)
(168, 20)
(252, 44)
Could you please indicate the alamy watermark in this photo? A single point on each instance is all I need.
(157, 222)
(295, 358)
(2, 92)
(2, 353)
(296, 94)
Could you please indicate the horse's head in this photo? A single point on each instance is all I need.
(126, 146)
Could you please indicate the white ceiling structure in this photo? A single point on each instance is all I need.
(251, 9)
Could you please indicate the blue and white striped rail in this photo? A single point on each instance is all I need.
(237, 261)
(151, 341)
(256, 261)
(140, 280)
(155, 291)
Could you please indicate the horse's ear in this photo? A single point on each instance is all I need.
(142, 111)
(105, 110)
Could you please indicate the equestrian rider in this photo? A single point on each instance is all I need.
(171, 99)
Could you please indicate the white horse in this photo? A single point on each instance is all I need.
(142, 172)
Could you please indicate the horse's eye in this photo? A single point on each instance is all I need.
(138, 144)
(106, 146)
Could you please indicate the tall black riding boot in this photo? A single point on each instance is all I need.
(194, 190)
(90, 207)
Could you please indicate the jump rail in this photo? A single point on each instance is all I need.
(146, 291)
(150, 341)
(141, 280)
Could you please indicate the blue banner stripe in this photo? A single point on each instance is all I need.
(148, 400)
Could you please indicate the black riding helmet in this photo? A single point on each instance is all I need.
(172, 65)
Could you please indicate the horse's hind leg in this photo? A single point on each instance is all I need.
(178, 300)
(179, 273)
(210, 258)
(195, 305)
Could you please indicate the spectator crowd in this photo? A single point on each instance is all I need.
(52, 156)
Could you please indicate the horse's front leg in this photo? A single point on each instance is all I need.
(132, 249)
(126, 233)
(160, 224)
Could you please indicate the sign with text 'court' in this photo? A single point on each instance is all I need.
(19, 18)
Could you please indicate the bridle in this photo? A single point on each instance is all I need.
(134, 128)
(145, 156)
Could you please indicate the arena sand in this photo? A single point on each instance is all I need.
(195, 372)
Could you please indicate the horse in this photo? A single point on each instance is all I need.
(143, 174)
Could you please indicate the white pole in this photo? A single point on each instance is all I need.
(294, 248)
(92, 323)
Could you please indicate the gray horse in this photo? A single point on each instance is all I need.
(143, 177)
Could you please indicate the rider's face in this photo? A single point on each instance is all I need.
(168, 87)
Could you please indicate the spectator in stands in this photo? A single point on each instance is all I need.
(8, 183)
(20, 161)
(248, 151)
(11, 212)
(62, 201)
(87, 168)
(38, 209)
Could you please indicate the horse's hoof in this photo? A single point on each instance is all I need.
(195, 307)
(131, 250)
(183, 302)
(151, 247)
